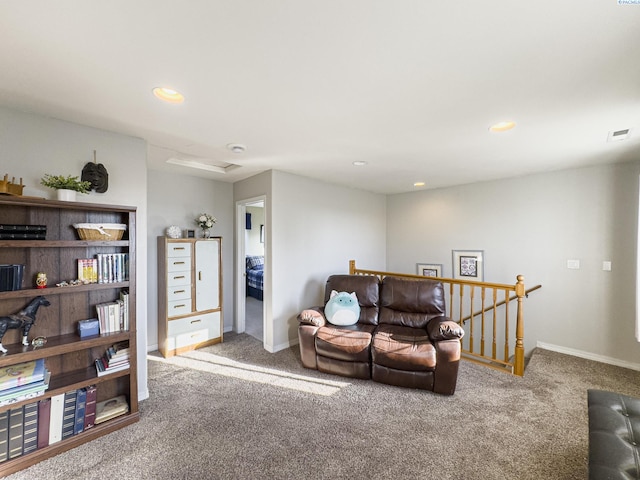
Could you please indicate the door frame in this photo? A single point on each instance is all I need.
(240, 268)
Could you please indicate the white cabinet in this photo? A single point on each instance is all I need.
(189, 294)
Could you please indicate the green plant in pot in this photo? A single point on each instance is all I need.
(66, 187)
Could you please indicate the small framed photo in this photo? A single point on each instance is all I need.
(430, 269)
(468, 265)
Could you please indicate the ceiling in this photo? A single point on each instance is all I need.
(309, 86)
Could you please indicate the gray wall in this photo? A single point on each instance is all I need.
(532, 225)
(33, 145)
(176, 200)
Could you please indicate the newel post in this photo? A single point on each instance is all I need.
(518, 366)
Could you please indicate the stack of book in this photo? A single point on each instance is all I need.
(116, 358)
(22, 232)
(23, 381)
(114, 316)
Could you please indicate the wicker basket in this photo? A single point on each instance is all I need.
(100, 231)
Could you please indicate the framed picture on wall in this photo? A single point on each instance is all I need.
(468, 265)
(430, 269)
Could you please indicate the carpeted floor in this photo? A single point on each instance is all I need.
(235, 411)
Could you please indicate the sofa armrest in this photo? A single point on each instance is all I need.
(312, 316)
(443, 328)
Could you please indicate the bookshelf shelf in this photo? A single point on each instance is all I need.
(68, 357)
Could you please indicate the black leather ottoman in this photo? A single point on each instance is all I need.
(614, 436)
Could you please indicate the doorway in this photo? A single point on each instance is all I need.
(251, 240)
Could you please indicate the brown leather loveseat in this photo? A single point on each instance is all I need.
(402, 336)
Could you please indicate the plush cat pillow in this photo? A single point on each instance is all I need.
(342, 308)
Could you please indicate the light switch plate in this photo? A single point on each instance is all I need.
(573, 264)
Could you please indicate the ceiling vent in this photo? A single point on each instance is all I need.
(617, 135)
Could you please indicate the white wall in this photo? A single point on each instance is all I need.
(316, 228)
(33, 145)
(253, 246)
(532, 225)
(177, 200)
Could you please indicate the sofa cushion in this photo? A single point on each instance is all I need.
(410, 302)
(403, 348)
(350, 344)
(366, 288)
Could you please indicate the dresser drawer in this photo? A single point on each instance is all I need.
(179, 292)
(192, 330)
(175, 279)
(178, 264)
(178, 250)
(179, 307)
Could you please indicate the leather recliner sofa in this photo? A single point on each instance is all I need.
(403, 336)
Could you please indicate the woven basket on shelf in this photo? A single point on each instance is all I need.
(100, 231)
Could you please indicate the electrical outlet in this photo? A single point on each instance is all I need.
(606, 266)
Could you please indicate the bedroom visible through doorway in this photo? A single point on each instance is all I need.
(254, 262)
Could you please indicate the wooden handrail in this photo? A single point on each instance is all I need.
(499, 304)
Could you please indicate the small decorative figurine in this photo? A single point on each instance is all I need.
(24, 320)
(41, 280)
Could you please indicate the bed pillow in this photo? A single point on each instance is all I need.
(342, 308)
(254, 261)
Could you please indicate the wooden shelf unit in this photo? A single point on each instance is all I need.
(69, 358)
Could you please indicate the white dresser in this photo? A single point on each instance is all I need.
(189, 294)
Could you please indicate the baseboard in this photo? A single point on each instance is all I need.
(589, 356)
(152, 348)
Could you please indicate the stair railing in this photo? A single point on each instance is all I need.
(486, 312)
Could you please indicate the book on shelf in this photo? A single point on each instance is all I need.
(11, 277)
(69, 413)
(88, 270)
(44, 413)
(23, 235)
(21, 374)
(55, 418)
(9, 228)
(108, 409)
(81, 405)
(16, 431)
(4, 436)
(30, 441)
(90, 407)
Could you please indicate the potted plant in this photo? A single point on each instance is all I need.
(66, 187)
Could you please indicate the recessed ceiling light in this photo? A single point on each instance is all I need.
(502, 126)
(236, 147)
(359, 163)
(419, 184)
(168, 95)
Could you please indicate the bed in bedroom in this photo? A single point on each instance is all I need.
(255, 276)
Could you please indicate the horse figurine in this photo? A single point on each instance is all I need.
(24, 319)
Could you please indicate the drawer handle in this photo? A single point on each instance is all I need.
(179, 306)
(181, 276)
(195, 335)
(179, 248)
(178, 291)
(178, 263)
(196, 321)
(200, 276)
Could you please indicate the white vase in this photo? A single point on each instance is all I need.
(66, 195)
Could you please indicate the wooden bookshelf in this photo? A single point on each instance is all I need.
(69, 358)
